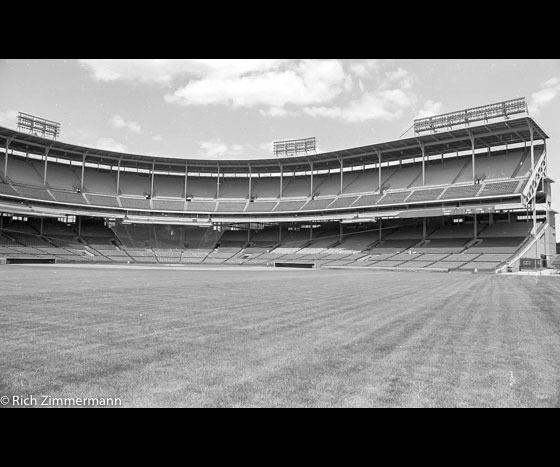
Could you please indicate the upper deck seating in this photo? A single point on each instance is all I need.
(234, 188)
(318, 204)
(266, 187)
(135, 183)
(326, 185)
(261, 206)
(491, 167)
(499, 188)
(33, 192)
(97, 200)
(363, 182)
(290, 206)
(22, 172)
(297, 187)
(402, 177)
(168, 204)
(68, 197)
(169, 186)
(394, 198)
(440, 173)
(135, 203)
(420, 195)
(62, 176)
(203, 187)
(201, 206)
(100, 181)
(458, 192)
(6, 189)
(344, 202)
(231, 206)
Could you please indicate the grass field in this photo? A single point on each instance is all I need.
(280, 338)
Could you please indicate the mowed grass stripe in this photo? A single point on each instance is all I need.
(293, 338)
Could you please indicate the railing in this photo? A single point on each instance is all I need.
(524, 248)
(539, 172)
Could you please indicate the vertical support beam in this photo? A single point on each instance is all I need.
(79, 226)
(341, 231)
(311, 187)
(379, 169)
(119, 177)
(218, 183)
(423, 163)
(380, 229)
(279, 233)
(473, 158)
(83, 172)
(8, 140)
(424, 229)
(45, 170)
(41, 227)
(341, 176)
(281, 180)
(249, 233)
(311, 232)
(186, 178)
(153, 177)
(250, 182)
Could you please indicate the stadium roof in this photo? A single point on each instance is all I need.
(486, 135)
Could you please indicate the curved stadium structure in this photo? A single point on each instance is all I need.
(473, 198)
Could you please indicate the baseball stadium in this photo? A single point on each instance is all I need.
(420, 271)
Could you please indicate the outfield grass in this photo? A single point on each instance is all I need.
(280, 338)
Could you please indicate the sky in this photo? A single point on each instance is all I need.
(235, 108)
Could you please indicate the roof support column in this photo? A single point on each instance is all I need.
(186, 178)
(281, 180)
(311, 192)
(153, 177)
(119, 177)
(47, 150)
(218, 183)
(379, 170)
(341, 176)
(250, 182)
(423, 163)
(83, 172)
(8, 141)
(473, 158)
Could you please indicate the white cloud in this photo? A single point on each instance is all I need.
(381, 105)
(364, 68)
(307, 82)
(8, 118)
(218, 149)
(274, 112)
(542, 98)
(118, 122)
(551, 82)
(164, 71)
(430, 108)
(110, 144)
(156, 138)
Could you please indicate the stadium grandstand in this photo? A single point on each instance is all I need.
(471, 197)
